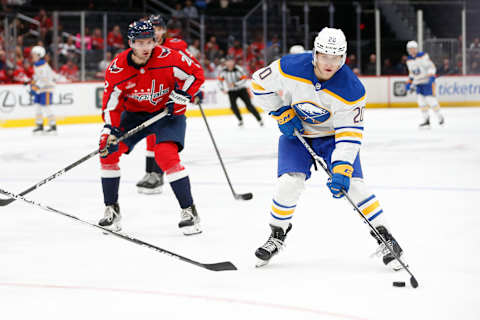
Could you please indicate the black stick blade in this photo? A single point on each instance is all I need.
(220, 266)
(413, 282)
(4, 202)
(245, 196)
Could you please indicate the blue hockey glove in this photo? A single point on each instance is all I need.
(431, 80)
(108, 140)
(408, 86)
(340, 180)
(177, 105)
(198, 97)
(287, 121)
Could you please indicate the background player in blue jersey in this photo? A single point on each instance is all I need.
(324, 100)
(421, 79)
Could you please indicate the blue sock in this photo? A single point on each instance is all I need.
(181, 188)
(110, 190)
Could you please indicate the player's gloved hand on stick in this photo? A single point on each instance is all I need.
(177, 105)
(408, 87)
(287, 121)
(341, 175)
(198, 97)
(431, 80)
(108, 140)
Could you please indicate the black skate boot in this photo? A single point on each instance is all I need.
(112, 218)
(38, 129)
(441, 122)
(273, 245)
(151, 183)
(382, 251)
(52, 130)
(425, 124)
(190, 221)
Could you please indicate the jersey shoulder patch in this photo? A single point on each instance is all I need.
(345, 86)
(297, 67)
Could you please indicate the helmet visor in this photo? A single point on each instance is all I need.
(329, 59)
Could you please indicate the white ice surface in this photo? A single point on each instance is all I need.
(52, 267)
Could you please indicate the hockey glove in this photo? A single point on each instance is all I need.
(287, 121)
(177, 105)
(431, 80)
(109, 140)
(198, 97)
(340, 180)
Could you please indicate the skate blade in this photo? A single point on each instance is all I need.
(260, 263)
(157, 190)
(113, 227)
(191, 230)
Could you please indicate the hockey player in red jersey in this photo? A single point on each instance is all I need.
(152, 181)
(140, 83)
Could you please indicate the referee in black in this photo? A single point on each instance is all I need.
(233, 80)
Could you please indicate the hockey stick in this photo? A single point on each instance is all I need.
(220, 266)
(244, 196)
(413, 281)
(4, 202)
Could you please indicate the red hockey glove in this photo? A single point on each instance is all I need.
(108, 140)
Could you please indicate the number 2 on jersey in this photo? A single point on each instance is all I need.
(359, 116)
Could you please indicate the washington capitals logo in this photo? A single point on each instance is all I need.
(114, 68)
(152, 96)
(165, 52)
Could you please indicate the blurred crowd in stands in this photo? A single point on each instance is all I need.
(17, 66)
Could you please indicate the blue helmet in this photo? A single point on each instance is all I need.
(140, 30)
(157, 20)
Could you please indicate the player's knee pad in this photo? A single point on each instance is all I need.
(166, 156)
(422, 103)
(432, 102)
(289, 188)
(151, 145)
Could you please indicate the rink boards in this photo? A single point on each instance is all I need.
(75, 103)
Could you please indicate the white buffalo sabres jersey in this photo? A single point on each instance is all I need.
(420, 68)
(326, 108)
(43, 77)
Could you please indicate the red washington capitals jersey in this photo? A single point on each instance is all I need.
(179, 45)
(146, 88)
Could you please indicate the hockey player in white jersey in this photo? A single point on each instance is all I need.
(421, 79)
(324, 100)
(42, 85)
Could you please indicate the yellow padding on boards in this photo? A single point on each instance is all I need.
(349, 134)
(282, 212)
(344, 169)
(286, 116)
(371, 208)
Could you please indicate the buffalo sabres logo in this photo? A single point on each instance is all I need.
(311, 113)
(114, 68)
(165, 52)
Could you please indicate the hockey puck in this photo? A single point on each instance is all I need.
(399, 283)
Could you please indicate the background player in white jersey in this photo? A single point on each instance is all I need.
(324, 100)
(421, 78)
(42, 85)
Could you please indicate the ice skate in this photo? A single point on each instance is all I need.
(38, 129)
(111, 219)
(52, 130)
(441, 122)
(151, 183)
(273, 245)
(425, 124)
(190, 221)
(382, 251)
